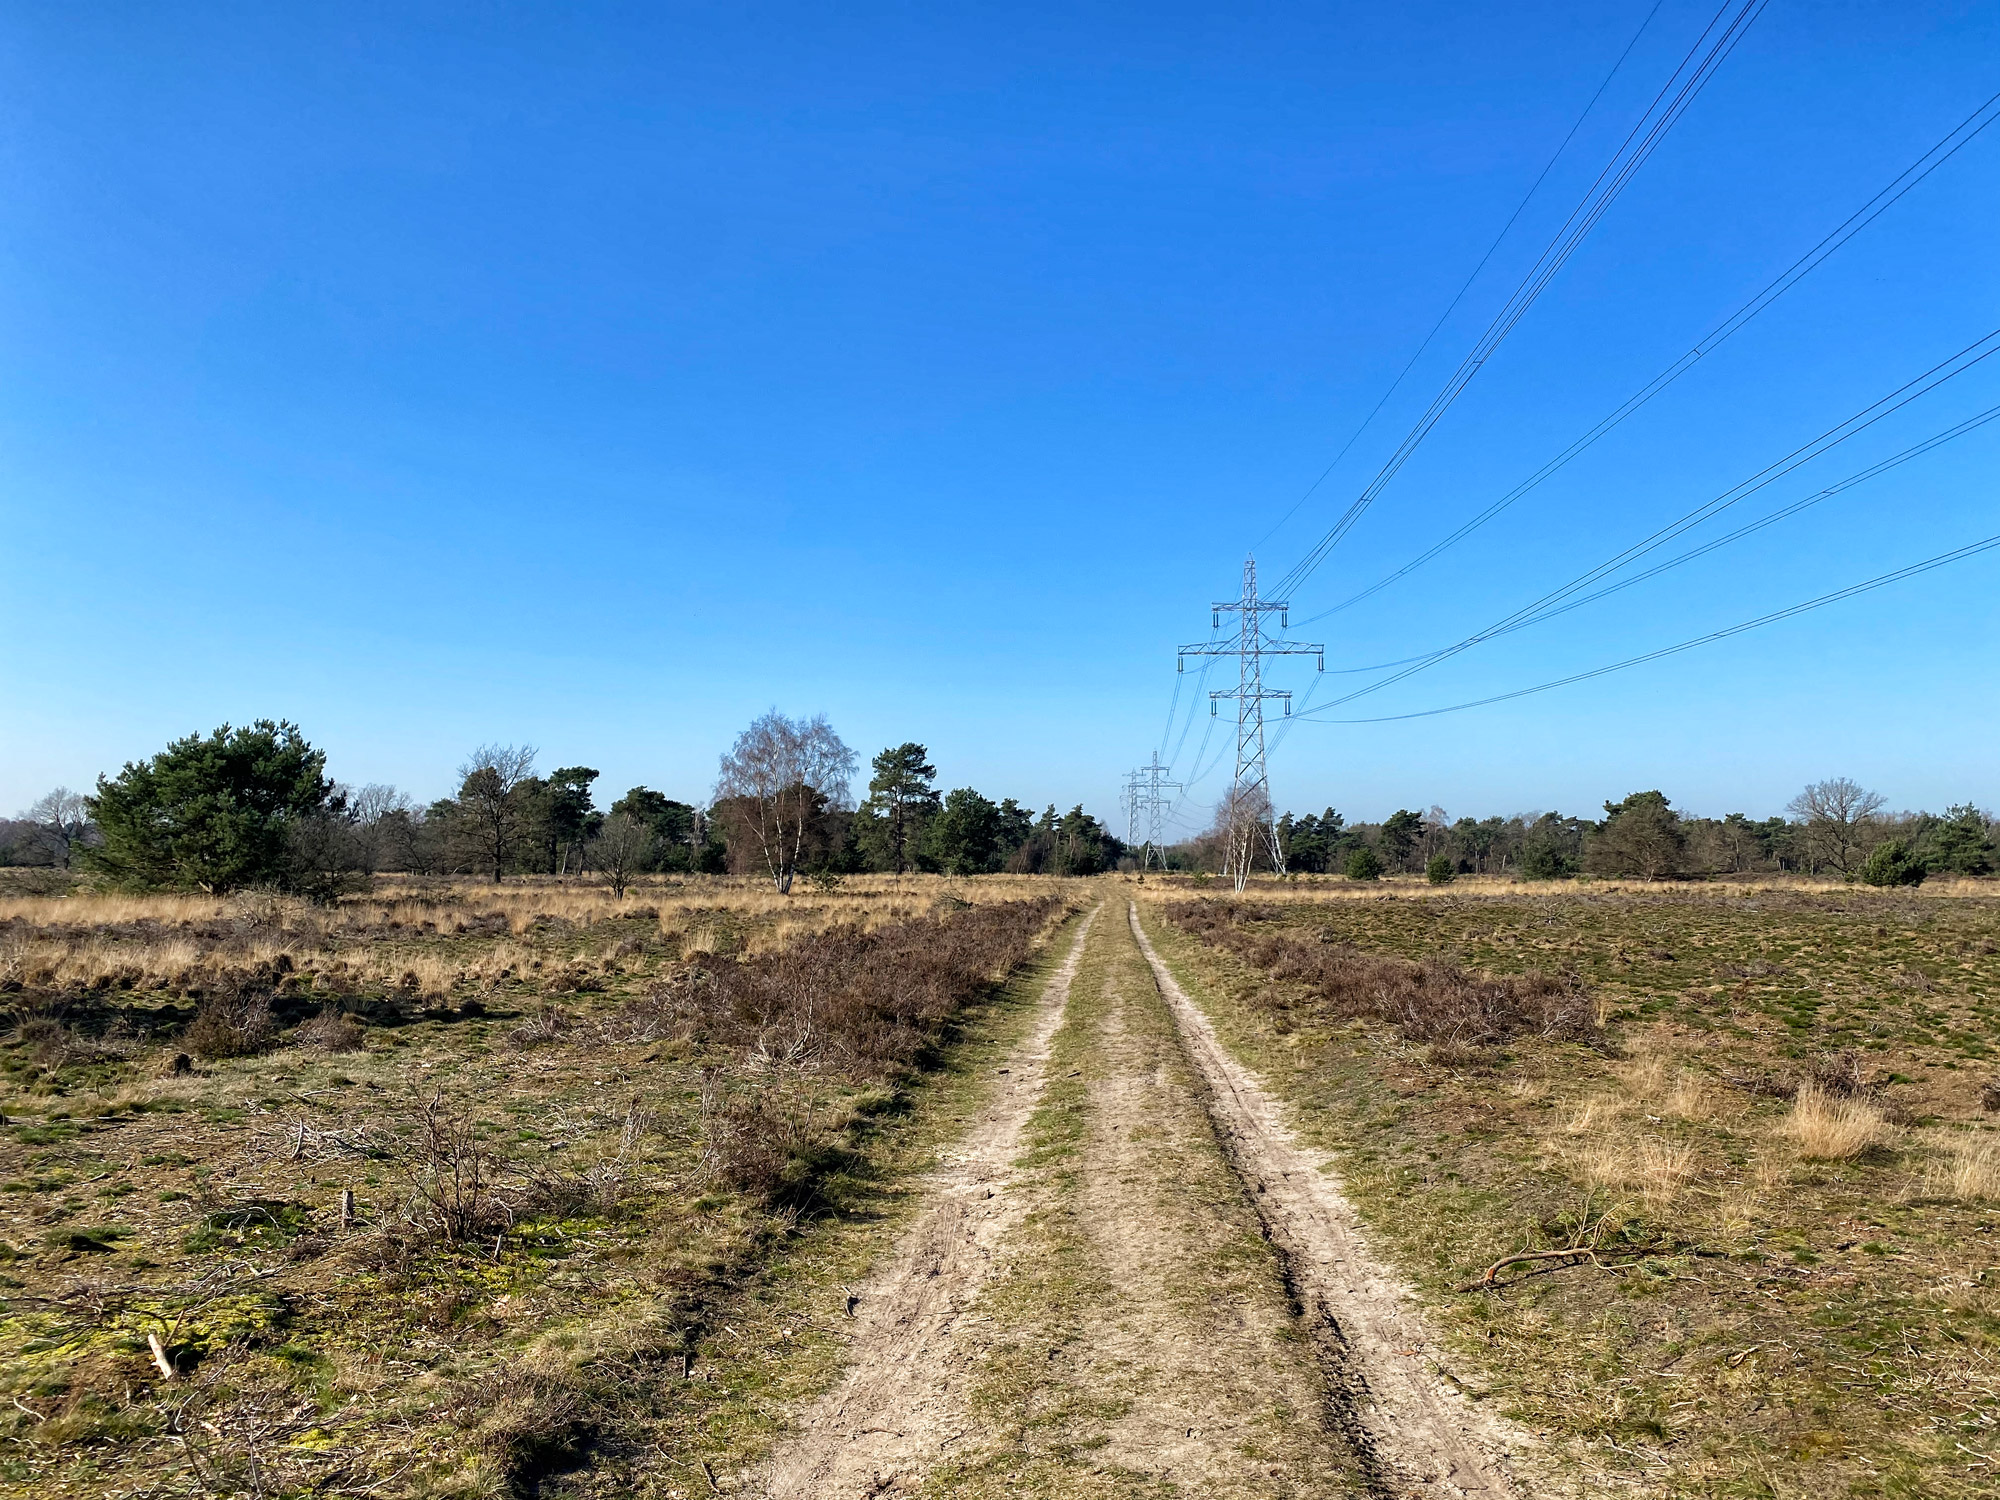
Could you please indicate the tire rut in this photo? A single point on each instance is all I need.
(1417, 1433)
(900, 1406)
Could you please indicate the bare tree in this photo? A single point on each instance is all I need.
(622, 848)
(62, 821)
(379, 815)
(494, 814)
(1840, 824)
(777, 779)
(1244, 825)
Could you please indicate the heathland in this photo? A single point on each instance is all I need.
(459, 1188)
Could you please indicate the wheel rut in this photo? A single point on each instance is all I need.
(900, 1407)
(1413, 1431)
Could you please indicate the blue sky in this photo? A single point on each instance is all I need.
(598, 376)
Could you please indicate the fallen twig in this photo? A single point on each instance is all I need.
(1575, 1254)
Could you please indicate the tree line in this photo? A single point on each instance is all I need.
(1833, 827)
(253, 806)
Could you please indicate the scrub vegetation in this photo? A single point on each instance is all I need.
(460, 1189)
(1704, 1180)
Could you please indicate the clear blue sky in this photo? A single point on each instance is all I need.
(598, 376)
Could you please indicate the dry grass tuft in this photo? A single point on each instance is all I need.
(1654, 1167)
(1830, 1127)
(1969, 1171)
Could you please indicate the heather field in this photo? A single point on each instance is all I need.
(456, 1189)
(1702, 1181)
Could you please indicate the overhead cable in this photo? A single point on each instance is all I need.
(1949, 146)
(1785, 512)
(1519, 209)
(1957, 364)
(1941, 560)
(1661, 115)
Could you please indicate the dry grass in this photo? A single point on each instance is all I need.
(1833, 1127)
(428, 938)
(534, 1235)
(1320, 890)
(1652, 1166)
(1967, 1170)
(1789, 1129)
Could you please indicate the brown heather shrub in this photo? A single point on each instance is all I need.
(1433, 1001)
(332, 1030)
(1839, 1073)
(237, 1024)
(868, 1004)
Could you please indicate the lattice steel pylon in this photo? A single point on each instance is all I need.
(1146, 806)
(1249, 814)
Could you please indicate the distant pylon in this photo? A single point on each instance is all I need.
(1146, 807)
(1249, 812)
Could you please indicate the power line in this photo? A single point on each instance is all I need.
(1841, 486)
(1957, 364)
(1661, 115)
(1452, 307)
(1941, 560)
(1946, 147)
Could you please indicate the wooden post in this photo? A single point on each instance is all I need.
(347, 1208)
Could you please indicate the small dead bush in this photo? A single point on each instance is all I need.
(549, 1024)
(1839, 1073)
(232, 1025)
(332, 1030)
(769, 1146)
(1830, 1127)
(453, 1176)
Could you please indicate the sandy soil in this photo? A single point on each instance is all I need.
(1132, 1280)
(900, 1406)
(1419, 1434)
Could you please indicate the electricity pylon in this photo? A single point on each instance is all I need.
(1146, 804)
(1249, 808)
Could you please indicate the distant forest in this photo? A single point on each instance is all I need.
(1834, 827)
(253, 806)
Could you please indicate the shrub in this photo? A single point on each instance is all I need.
(453, 1176)
(1892, 863)
(332, 1030)
(232, 1025)
(1363, 864)
(1440, 870)
(1434, 1001)
(865, 1003)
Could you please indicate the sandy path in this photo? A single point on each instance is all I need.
(1422, 1436)
(1219, 1403)
(900, 1406)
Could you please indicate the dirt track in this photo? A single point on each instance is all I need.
(900, 1405)
(1131, 1280)
(1419, 1434)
